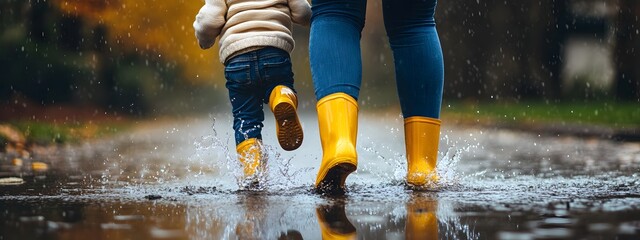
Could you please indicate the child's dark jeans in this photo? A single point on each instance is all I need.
(250, 78)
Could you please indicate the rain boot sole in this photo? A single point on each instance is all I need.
(333, 182)
(289, 129)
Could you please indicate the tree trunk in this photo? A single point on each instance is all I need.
(554, 43)
(627, 52)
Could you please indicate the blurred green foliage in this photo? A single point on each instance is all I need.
(43, 133)
(606, 113)
(97, 53)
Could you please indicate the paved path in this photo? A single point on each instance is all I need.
(496, 184)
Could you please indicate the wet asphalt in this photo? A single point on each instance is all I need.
(174, 179)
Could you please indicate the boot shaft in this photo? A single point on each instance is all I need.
(250, 156)
(338, 126)
(422, 136)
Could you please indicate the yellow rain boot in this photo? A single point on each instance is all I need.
(284, 103)
(421, 135)
(250, 156)
(422, 222)
(334, 224)
(338, 125)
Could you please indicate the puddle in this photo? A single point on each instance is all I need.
(169, 182)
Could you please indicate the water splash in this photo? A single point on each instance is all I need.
(277, 173)
(391, 167)
(447, 167)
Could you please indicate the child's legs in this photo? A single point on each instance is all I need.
(334, 46)
(417, 55)
(275, 69)
(246, 97)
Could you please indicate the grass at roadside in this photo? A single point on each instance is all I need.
(607, 114)
(610, 114)
(44, 133)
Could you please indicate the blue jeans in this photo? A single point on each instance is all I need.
(336, 64)
(250, 78)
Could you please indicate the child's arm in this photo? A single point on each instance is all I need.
(300, 12)
(209, 22)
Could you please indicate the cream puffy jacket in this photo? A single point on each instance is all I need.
(244, 25)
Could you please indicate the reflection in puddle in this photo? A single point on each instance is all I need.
(239, 216)
(422, 222)
(260, 215)
(214, 214)
(334, 223)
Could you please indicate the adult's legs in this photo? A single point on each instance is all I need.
(336, 69)
(419, 67)
(334, 46)
(417, 54)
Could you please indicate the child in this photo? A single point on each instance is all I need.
(255, 42)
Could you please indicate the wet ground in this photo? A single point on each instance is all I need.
(177, 180)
